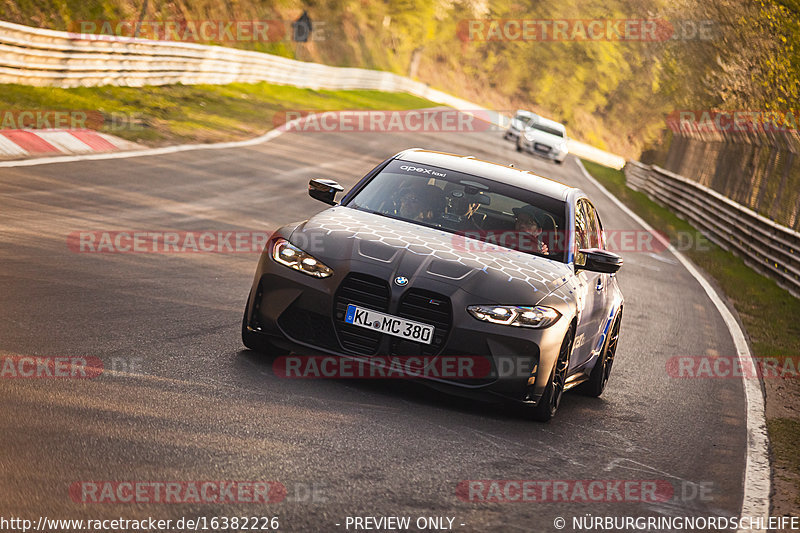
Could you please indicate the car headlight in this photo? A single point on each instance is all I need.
(516, 315)
(293, 257)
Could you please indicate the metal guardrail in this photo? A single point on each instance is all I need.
(34, 56)
(769, 248)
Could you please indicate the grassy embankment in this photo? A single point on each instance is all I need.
(172, 114)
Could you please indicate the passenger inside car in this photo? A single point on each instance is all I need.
(528, 219)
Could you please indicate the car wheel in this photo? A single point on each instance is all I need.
(519, 145)
(602, 369)
(548, 404)
(257, 341)
(559, 162)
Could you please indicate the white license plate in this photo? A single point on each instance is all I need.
(391, 325)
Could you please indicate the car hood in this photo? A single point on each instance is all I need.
(342, 236)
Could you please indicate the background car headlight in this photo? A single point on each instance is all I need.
(291, 256)
(515, 315)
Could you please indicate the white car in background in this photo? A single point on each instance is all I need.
(518, 124)
(545, 138)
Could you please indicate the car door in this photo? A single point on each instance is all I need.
(588, 292)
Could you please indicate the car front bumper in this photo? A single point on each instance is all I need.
(303, 314)
(544, 150)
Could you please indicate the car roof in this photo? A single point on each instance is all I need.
(552, 123)
(523, 179)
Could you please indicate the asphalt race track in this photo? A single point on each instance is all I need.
(181, 399)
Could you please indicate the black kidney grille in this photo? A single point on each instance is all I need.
(429, 308)
(365, 291)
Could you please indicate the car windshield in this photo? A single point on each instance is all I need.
(547, 129)
(468, 206)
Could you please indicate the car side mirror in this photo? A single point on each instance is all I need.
(597, 260)
(324, 190)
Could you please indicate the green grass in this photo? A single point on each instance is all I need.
(768, 313)
(169, 114)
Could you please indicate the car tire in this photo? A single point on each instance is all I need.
(519, 145)
(548, 404)
(559, 162)
(258, 342)
(602, 368)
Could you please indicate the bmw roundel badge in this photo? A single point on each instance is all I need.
(401, 281)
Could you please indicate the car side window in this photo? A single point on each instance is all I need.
(581, 227)
(593, 226)
(602, 233)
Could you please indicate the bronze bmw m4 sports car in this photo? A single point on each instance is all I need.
(435, 255)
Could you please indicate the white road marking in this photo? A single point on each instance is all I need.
(662, 259)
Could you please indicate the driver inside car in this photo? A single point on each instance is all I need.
(420, 202)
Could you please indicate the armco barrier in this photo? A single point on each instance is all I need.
(768, 247)
(34, 56)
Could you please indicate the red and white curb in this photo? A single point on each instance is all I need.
(15, 144)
